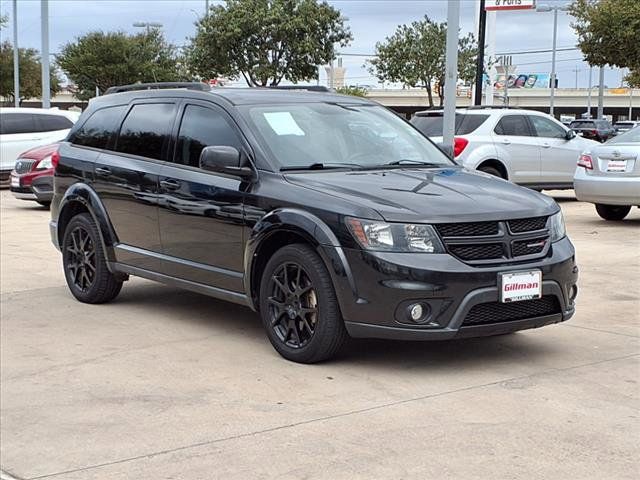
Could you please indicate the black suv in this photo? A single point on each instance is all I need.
(328, 214)
(598, 130)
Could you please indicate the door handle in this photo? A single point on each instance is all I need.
(170, 184)
(546, 145)
(103, 171)
(506, 141)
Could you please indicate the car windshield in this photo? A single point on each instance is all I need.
(332, 135)
(630, 136)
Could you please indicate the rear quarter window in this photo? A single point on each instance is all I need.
(432, 125)
(13, 123)
(51, 123)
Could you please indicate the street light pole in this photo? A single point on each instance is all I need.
(589, 94)
(16, 57)
(46, 88)
(451, 73)
(548, 8)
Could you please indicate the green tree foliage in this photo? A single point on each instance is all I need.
(30, 73)
(266, 41)
(633, 79)
(608, 31)
(3, 21)
(106, 59)
(415, 56)
(352, 90)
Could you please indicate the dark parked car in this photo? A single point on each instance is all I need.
(32, 176)
(327, 214)
(598, 130)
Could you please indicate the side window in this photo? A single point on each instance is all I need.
(513, 125)
(12, 123)
(202, 127)
(51, 123)
(145, 131)
(99, 128)
(547, 128)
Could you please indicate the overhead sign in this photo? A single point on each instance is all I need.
(509, 5)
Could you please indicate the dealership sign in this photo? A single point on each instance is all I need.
(509, 5)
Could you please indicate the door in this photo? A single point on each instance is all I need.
(126, 180)
(201, 213)
(558, 156)
(516, 146)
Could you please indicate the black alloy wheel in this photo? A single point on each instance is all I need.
(293, 305)
(81, 258)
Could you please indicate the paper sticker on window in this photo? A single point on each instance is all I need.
(283, 123)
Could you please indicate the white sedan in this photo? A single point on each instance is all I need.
(22, 129)
(609, 175)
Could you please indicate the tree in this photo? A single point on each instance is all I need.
(415, 56)
(267, 41)
(608, 31)
(352, 90)
(105, 59)
(633, 79)
(30, 73)
(3, 21)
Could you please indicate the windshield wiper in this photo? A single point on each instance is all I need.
(321, 166)
(407, 161)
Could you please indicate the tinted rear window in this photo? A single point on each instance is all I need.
(582, 124)
(432, 126)
(52, 123)
(145, 131)
(11, 123)
(99, 128)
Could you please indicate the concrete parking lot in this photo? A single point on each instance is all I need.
(163, 383)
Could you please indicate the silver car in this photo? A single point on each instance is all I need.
(609, 175)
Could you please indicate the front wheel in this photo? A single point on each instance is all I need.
(84, 263)
(612, 212)
(298, 306)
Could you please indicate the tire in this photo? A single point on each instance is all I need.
(84, 264)
(298, 306)
(491, 171)
(46, 205)
(612, 212)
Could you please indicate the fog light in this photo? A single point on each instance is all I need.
(416, 312)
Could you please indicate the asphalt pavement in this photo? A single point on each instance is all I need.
(167, 384)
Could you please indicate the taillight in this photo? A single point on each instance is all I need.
(585, 161)
(459, 144)
(55, 159)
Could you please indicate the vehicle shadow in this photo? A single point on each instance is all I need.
(225, 319)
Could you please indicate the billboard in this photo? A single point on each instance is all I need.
(522, 80)
(509, 5)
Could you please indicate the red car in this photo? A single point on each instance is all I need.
(32, 177)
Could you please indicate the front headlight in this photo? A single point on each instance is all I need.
(44, 163)
(556, 227)
(394, 237)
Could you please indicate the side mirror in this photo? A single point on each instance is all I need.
(224, 159)
(446, 149)
(570, 134)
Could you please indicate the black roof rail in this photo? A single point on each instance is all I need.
(490, 107)
(308, 88)
(159, 85)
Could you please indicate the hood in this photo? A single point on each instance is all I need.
(429, 195)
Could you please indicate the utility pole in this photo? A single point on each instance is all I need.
(482, 27)
(589, 94)
(601, 94)
(16, 57)
(206, 8)
(576, 70)
(46, 87)
(491, 51)
(554, 9)
(451, 73)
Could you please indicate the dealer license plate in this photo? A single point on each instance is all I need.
(617, 166)
(15, 181)
(518, 286)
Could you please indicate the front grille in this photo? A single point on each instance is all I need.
(492, 242)
(527, 224)
(472, 229)
(483, 251)
(24, 166)
(521, 248)
(496, 312)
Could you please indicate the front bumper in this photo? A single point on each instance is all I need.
(30, 186)
(385, 283)
(608, 190)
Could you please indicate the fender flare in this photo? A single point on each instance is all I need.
(315, 231)
(88, 198)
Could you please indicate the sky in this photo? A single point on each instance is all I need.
(370, 21)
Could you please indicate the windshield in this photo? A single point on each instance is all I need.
(321, 135)
(630, 136)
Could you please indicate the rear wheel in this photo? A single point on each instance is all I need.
(84, 263)
(612, 212)
(299, 307)
(491, 171)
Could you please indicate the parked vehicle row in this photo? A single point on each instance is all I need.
(525, 147)
(327, 214)
(598, 130)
